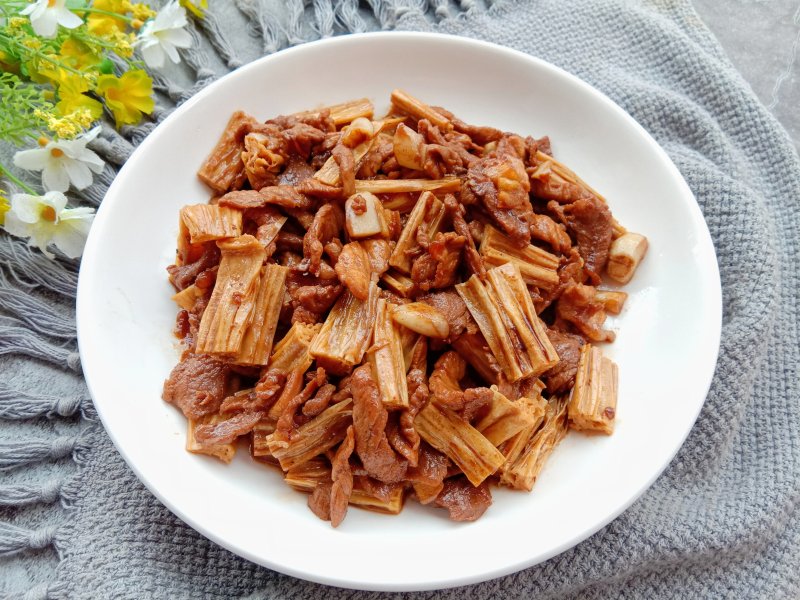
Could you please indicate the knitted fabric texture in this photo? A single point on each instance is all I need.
(722, 521)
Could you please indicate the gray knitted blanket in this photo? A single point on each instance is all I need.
(721, 522)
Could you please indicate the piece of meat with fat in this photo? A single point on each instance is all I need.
(347, 169)
(589, 220)
(427, 476)
(369, 419)
(320, 401)
(378, 251)
(436, 267)
(228, 430)
(342, 477)
(286, 422)
(295, 171)
(569, 271)
(379, 151)
(197, 385)
(474, 260)
(546, 230)
(328, 224)
(320, 119)
(454, 309)
(561, 377)
(501, 185)
(464, 501)
(476, 399)
(301, 138)
(354, 270)
(578, 306)
(184, 275)
(401, 432)
(319, 189)
(444, 384)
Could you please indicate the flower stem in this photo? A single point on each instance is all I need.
(18, 182)
(38, 53)
(105, 12)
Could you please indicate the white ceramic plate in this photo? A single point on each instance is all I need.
(668, 334)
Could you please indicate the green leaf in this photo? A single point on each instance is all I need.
(106, 66)
(19, 120)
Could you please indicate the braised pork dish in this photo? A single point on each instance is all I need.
(403, 307)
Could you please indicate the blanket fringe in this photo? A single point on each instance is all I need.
(17, 338)
(165, 85)
(347, 15)
(324, 18)
(441, 9)
(219, 41)
(194, 56)
(294, 25)
(15, 539)
(38, 592)
(18, 454)
(41, 316)
(20, 404)
(263, 23)
(383, 11)
(30, 268)
(94, 194)
(111, 145)
(22, 495)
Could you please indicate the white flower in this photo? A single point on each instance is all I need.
(163, 35)
(46, 220)
(63, 162)
(47, 15)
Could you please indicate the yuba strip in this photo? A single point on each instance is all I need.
(209, 222)
(346, 333)
(230, 309)
(387, 360)
(257, 342)
(503, 309)
(461, 442)
(525, 469)
(428, 213)
(505, 419)
(418, 109)
(313, 438)
(537, 267)
(291, 353)
(396, 186)
(593, 402)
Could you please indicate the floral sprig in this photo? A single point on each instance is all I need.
(63, 63)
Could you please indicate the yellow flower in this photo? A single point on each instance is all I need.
(74, 104)
(16, 23)
(142, 12)
(65, 128)
(32, 43)
(4, 207)
(196, 7)
(47, 72)
(128, 96)
(121, 7)
(78, 55)
(121, 42)
(106, 25)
